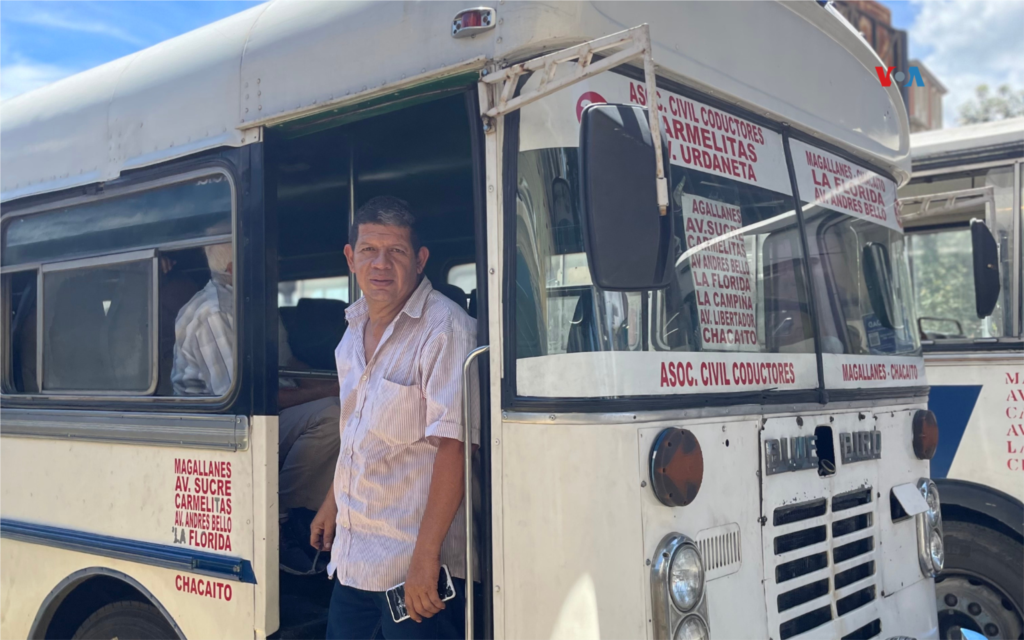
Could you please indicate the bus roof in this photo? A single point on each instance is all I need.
(798, 63)
(969, 145)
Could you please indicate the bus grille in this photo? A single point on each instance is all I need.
(823, 565)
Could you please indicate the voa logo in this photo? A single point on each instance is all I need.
(886, 76)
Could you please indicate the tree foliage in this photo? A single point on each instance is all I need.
(987, 107)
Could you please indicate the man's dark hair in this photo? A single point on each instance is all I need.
(388, 211)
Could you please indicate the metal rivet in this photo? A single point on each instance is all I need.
(259, 93)
(247, 111)
(490, 188)
(497, 588)
(551, 417)
(247, 96)
(499, 39)
(258, 80)
(647, 562)
(259, 108)
(643, 483)
(491, 271)
(497, 442)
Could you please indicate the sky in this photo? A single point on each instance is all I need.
(963, 42)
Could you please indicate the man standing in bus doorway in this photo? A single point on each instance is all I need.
(308, 410)
(396, 513)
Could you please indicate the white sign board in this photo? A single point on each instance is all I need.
(699, 136)
(826, 180)
(722, 275)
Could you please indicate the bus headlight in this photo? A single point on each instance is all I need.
(686, 578)
(931, 553)
(678, 599)
(691, 628)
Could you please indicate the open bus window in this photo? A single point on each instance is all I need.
(939, 246)
(102, 307)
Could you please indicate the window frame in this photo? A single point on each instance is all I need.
(166, 176)
(819, 394)
(1014, 338)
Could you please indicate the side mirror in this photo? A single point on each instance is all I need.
(878, 277)
(986, 268)
(625, 236)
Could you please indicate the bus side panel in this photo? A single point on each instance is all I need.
(573, 542)
(31, 572)
(980, 441)
(190, 499)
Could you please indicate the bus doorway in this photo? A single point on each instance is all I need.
(318, 173)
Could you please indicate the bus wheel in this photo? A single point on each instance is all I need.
(126, 619)
(981, 587)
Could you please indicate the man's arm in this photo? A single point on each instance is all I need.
(446, 491)
(311, 390)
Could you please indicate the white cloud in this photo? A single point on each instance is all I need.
(970, 42)
(44, 17)
(24, 75)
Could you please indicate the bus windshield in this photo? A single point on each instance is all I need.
(858, 256)
(739, 304)
(738, 294)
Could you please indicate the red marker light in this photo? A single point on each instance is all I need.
(677, 467)
(926, 434)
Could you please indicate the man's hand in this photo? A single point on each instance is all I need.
(321, 531)
(421, 597)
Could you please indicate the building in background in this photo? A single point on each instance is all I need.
(874, 21)
(925, 103)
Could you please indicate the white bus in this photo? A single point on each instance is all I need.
(727, 438)
(962, 213)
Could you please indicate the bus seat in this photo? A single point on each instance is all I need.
(454, 293)
(315, 327)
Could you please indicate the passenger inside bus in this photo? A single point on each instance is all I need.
(308, 436)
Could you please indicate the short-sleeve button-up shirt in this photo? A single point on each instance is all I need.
(394, 409)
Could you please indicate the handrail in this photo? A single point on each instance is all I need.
(467, 439)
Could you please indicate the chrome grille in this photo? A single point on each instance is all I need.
(823, 566)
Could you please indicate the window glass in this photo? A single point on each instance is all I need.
(738, 305)
(859, 267)
(463, 276)
(98, 328)
(183, 211)
(291, 291)
(940, 250)
(23, 327)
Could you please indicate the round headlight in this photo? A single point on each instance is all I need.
(691, 628)
(936, 551)
(686, 578)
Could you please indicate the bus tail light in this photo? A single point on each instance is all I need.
(926, 434)
(677, 467)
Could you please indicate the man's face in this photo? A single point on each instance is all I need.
(384, 263)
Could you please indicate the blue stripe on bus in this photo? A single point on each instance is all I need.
(160, 555)
(953, 406)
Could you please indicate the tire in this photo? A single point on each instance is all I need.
(126, 620)
(981, 587)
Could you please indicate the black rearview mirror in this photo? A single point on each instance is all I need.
(986, 268)
(625, 236)
(878, 278)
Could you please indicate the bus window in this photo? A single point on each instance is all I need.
(939, 246)
(110, 297)
(737, 254)
(858, 257)
(737, 305)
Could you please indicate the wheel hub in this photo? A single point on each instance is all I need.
(971, 603)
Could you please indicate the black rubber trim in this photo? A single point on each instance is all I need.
(808, 276)
(949, 346)
(157, 555)
(960, 498)
(484, 548)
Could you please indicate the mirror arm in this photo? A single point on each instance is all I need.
(655, 121)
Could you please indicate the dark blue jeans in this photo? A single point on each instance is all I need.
(364, 615)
